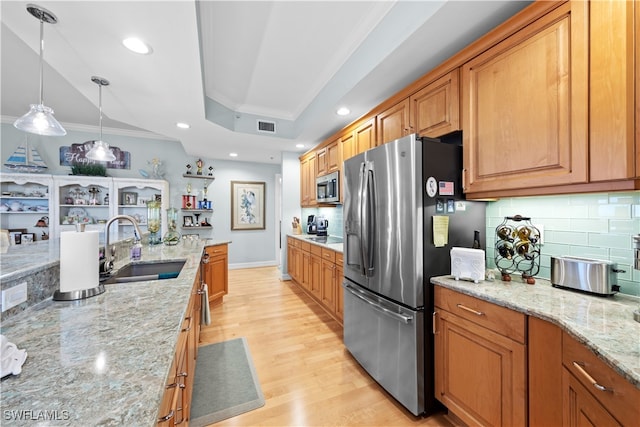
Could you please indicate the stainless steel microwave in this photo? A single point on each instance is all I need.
(328, 188)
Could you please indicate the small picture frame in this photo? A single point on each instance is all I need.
(451, 206)
(27, 238)
(187, 221)
(129, 198)
(439, 205)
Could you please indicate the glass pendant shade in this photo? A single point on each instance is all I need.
(40, 120)
(100, 152)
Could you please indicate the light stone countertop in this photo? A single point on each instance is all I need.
(104, 360)
(604, 324)
(307, 238)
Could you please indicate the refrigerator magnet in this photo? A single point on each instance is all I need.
(431, 186)
(446, 188)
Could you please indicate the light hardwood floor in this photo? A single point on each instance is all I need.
(307, 376)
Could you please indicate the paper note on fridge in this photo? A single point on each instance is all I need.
(440, 230)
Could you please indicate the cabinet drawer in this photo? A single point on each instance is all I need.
(305, 246)
(339, 258)
(217, 250)
(499, 319)
(328, 255)
(621, 397)
(316, 250)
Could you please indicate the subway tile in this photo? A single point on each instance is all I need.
(629, 287)
(555, 249)
(589, 199)
(624, 226)
(566, 237)
(621, 256)
(589, 252)
(619, 241)
(561, 224)
(610, 211)
(585, 224)
(627, 198)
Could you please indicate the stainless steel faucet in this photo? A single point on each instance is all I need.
(109, 253)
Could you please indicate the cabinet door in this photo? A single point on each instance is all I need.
(365, 136)
(334, 158)
(316, 276)
(525, 106)
(217, 269)
(612, 153)
(545, 373)
(308, 181)
(580, 408)
(347, 144)
(480, 375)
(291, 258)
(321, 162)
(328, 288)
(305, 280)
(435, 110)
(393, 123)
(339, 290)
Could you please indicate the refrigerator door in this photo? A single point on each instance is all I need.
(387, 339)
(389, 208)
(352, 211)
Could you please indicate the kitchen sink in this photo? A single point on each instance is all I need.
(140, 271)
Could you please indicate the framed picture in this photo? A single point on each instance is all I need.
(247, 205)
(129, 198)
(187, 221)
(27, 238)
(15, 237)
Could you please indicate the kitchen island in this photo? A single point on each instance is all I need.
(605, 325)
(103, 360)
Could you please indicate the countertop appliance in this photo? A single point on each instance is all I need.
(323, 225)
(394, 194)
(312, 227)
(328, 188)
(584, 274)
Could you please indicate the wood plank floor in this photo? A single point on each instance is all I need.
(307, 376)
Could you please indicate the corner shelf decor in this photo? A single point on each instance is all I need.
(194, 209)
(517, 248)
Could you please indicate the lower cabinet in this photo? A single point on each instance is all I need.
(176, 402)
(317, 270)
(217, 272)
(480, 360)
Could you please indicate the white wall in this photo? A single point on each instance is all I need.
(248, 248)
(290, 202)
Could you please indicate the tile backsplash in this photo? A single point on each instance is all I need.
(599, 226)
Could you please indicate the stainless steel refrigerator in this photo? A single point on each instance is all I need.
(392, 195)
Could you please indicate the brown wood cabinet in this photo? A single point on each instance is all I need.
(525, 106)
(544, 351)
(328, 158)
(393, 123)
(593, 393)
(339, 290)
(176, 402)
(217, 272)
(480, 360)
(308, 180)
(324, 283)
(365, 136)
(435, 110)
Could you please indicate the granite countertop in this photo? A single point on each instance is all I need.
(603, 324)
(307, 238)
(104, 360)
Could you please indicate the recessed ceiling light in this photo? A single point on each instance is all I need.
(299, 145)
(182, 125)
(136, 45)
(233, 154)
(343, 111)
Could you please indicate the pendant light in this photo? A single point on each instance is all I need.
(100, 150)
(40, 118)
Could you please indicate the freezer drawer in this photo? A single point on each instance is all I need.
(388, 341)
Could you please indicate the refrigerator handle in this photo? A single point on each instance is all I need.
(361, 172)
(368, 222)
(397, 316)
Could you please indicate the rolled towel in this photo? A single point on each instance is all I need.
(206, 312)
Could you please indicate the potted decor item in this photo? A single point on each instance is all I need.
(153, 221)
(171, 237)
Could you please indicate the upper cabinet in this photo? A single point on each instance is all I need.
(525, 106)
(435, 110)
(308, 180)
(393, 123)
(365, 136)
(328, 158)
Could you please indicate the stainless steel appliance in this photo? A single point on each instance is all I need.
(312, 227)
(392, 194)
(323, 225)
(328, 188)
(583, 274)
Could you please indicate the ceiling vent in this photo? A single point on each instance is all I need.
(269, 127)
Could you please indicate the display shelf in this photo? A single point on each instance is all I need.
(210, 178)
(25, 200)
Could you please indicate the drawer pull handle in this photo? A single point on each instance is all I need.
(433, 322)
(580, 368)
(166, 417)
(470, 310)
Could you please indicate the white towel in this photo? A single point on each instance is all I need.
(206, 313)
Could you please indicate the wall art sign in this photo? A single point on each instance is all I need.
(247, 205)
(76, 153)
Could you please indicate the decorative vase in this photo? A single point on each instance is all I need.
(153, 222)
(171, 237)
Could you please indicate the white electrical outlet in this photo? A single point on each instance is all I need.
(540, 228)
(14, 296)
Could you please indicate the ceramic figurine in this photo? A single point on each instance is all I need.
(199, 164)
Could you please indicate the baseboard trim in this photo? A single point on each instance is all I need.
(253, 265)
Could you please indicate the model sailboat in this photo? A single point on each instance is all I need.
(25, 159)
